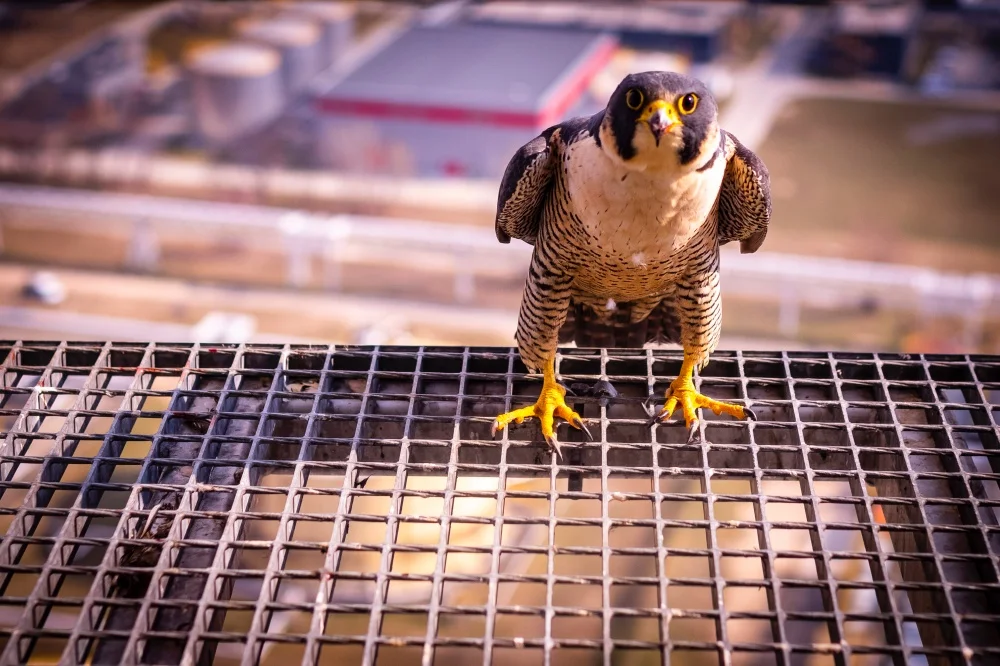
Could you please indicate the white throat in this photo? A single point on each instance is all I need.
(647, 212)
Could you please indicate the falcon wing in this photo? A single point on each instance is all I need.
(523, 190)
(528, 178)
(745, 198)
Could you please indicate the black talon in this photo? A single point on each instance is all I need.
(582, 426)
(749, 414)
(555, 445)
(646, 408)
(693, 431)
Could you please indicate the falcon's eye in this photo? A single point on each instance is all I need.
(688, 103)
(633, 98)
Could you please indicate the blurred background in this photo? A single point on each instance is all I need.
(327, 172)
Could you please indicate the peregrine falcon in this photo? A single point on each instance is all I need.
(626, 211)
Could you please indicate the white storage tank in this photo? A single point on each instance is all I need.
(298, 40)
(236, 86)
(336, 22)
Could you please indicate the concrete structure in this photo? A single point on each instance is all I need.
(336, 24)
(433, 262)
(103, 71)
(874, 39)
(237, 88)
(298, 40)
(111, 69)
(457, 99)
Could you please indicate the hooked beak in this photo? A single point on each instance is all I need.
(661, 118)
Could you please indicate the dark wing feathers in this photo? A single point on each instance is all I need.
(528, 178)
(745, 198)
(523, 190)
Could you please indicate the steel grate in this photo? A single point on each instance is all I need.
(290, 504)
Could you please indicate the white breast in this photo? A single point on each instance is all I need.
(634, 215)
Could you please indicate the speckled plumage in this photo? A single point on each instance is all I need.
(626, 224)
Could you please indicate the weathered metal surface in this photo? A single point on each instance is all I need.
(151, 494)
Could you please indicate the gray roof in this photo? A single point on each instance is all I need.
(670, 18)
(471, 66)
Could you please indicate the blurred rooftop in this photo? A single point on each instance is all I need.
(534, 73)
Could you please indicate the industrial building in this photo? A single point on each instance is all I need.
(458, 99)
(298, 40)
(87, 96)
(194, 75)
(254, 87)
(696, 30)
(869, 39)
(236, 87)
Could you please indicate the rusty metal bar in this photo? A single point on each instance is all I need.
(256, 503)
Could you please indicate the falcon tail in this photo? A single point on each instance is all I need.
(661, 326)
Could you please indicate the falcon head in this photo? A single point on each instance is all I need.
(660, 120)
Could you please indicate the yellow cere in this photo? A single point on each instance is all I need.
(655, 106)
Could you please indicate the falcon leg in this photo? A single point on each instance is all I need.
(683, 393)
(551, 403)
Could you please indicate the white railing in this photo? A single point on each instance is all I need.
(468, 252)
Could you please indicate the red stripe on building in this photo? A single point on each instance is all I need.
(439, 114)
(561, 100)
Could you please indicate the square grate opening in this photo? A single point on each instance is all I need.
(268, 504)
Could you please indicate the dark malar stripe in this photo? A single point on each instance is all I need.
(711, 160)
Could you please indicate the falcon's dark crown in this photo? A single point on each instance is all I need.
(637, 91)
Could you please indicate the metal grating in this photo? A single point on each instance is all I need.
(285, 504)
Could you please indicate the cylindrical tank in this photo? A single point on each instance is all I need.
(336, 22)
(236, 86)
(297, 39)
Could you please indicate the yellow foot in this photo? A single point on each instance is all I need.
(551, 403)
(683, 393)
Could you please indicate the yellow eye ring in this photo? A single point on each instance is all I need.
(634, 98)
(687, 104)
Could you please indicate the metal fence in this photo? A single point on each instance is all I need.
(290, 504)
(467, 260)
